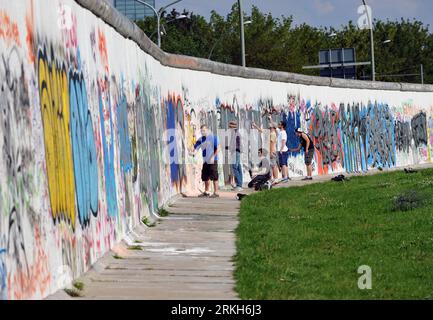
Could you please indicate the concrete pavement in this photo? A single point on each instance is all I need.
(187, 255)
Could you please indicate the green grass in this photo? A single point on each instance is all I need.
(135, 247)
(147, 222)
(78, 285)
(308, 242)
(117, 257)
(74, 293)
(163, 213)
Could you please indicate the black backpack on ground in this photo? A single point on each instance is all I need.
(339, 178)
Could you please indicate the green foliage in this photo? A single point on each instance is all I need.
(276, 44)
(74, 293)
(308, 242)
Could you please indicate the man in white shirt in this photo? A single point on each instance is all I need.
(283, 151)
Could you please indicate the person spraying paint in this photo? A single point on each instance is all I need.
(210, 147)
(307, 144)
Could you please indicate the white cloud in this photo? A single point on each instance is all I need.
(324, 7)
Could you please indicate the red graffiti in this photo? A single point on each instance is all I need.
(9, 30)
(102, 44)
(35, 278)
(68, 24)
(30, 34)
(70, 35)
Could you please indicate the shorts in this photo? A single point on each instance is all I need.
(283, 157)
(182, 171)
(309, 157)
(209, 172)
(273, 160)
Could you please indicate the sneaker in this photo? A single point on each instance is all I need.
(266, 186)
(285, 180)
(204, 195)
(238, 189)
(215, 195)
(307, 179)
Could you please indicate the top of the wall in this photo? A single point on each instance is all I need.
(130, 30)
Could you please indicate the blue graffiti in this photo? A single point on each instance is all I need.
(3, 293)
(380, 136)
(368, 137)
(123, 132)
(354, 137)
(171, 125)
(108, 150)
(84, 150)
(293, 121)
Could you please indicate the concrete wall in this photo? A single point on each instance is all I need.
(85, 99)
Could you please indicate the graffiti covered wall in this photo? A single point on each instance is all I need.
(83, 116)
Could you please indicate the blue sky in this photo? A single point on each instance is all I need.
(318, 12)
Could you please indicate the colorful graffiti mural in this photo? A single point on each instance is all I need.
(83, 119)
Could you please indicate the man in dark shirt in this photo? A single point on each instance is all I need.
(209, 146)
(235, 148)
(306, 142)
(264, 172)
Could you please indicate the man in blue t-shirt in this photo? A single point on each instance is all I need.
(209, 146)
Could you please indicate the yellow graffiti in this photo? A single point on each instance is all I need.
(190, 133)
(54, 97)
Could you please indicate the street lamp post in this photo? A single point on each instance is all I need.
(158, 16)
(422, 74)
(180, 17)
(370, 22)
(241, 22)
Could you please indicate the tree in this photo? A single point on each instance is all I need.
(276, 44)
